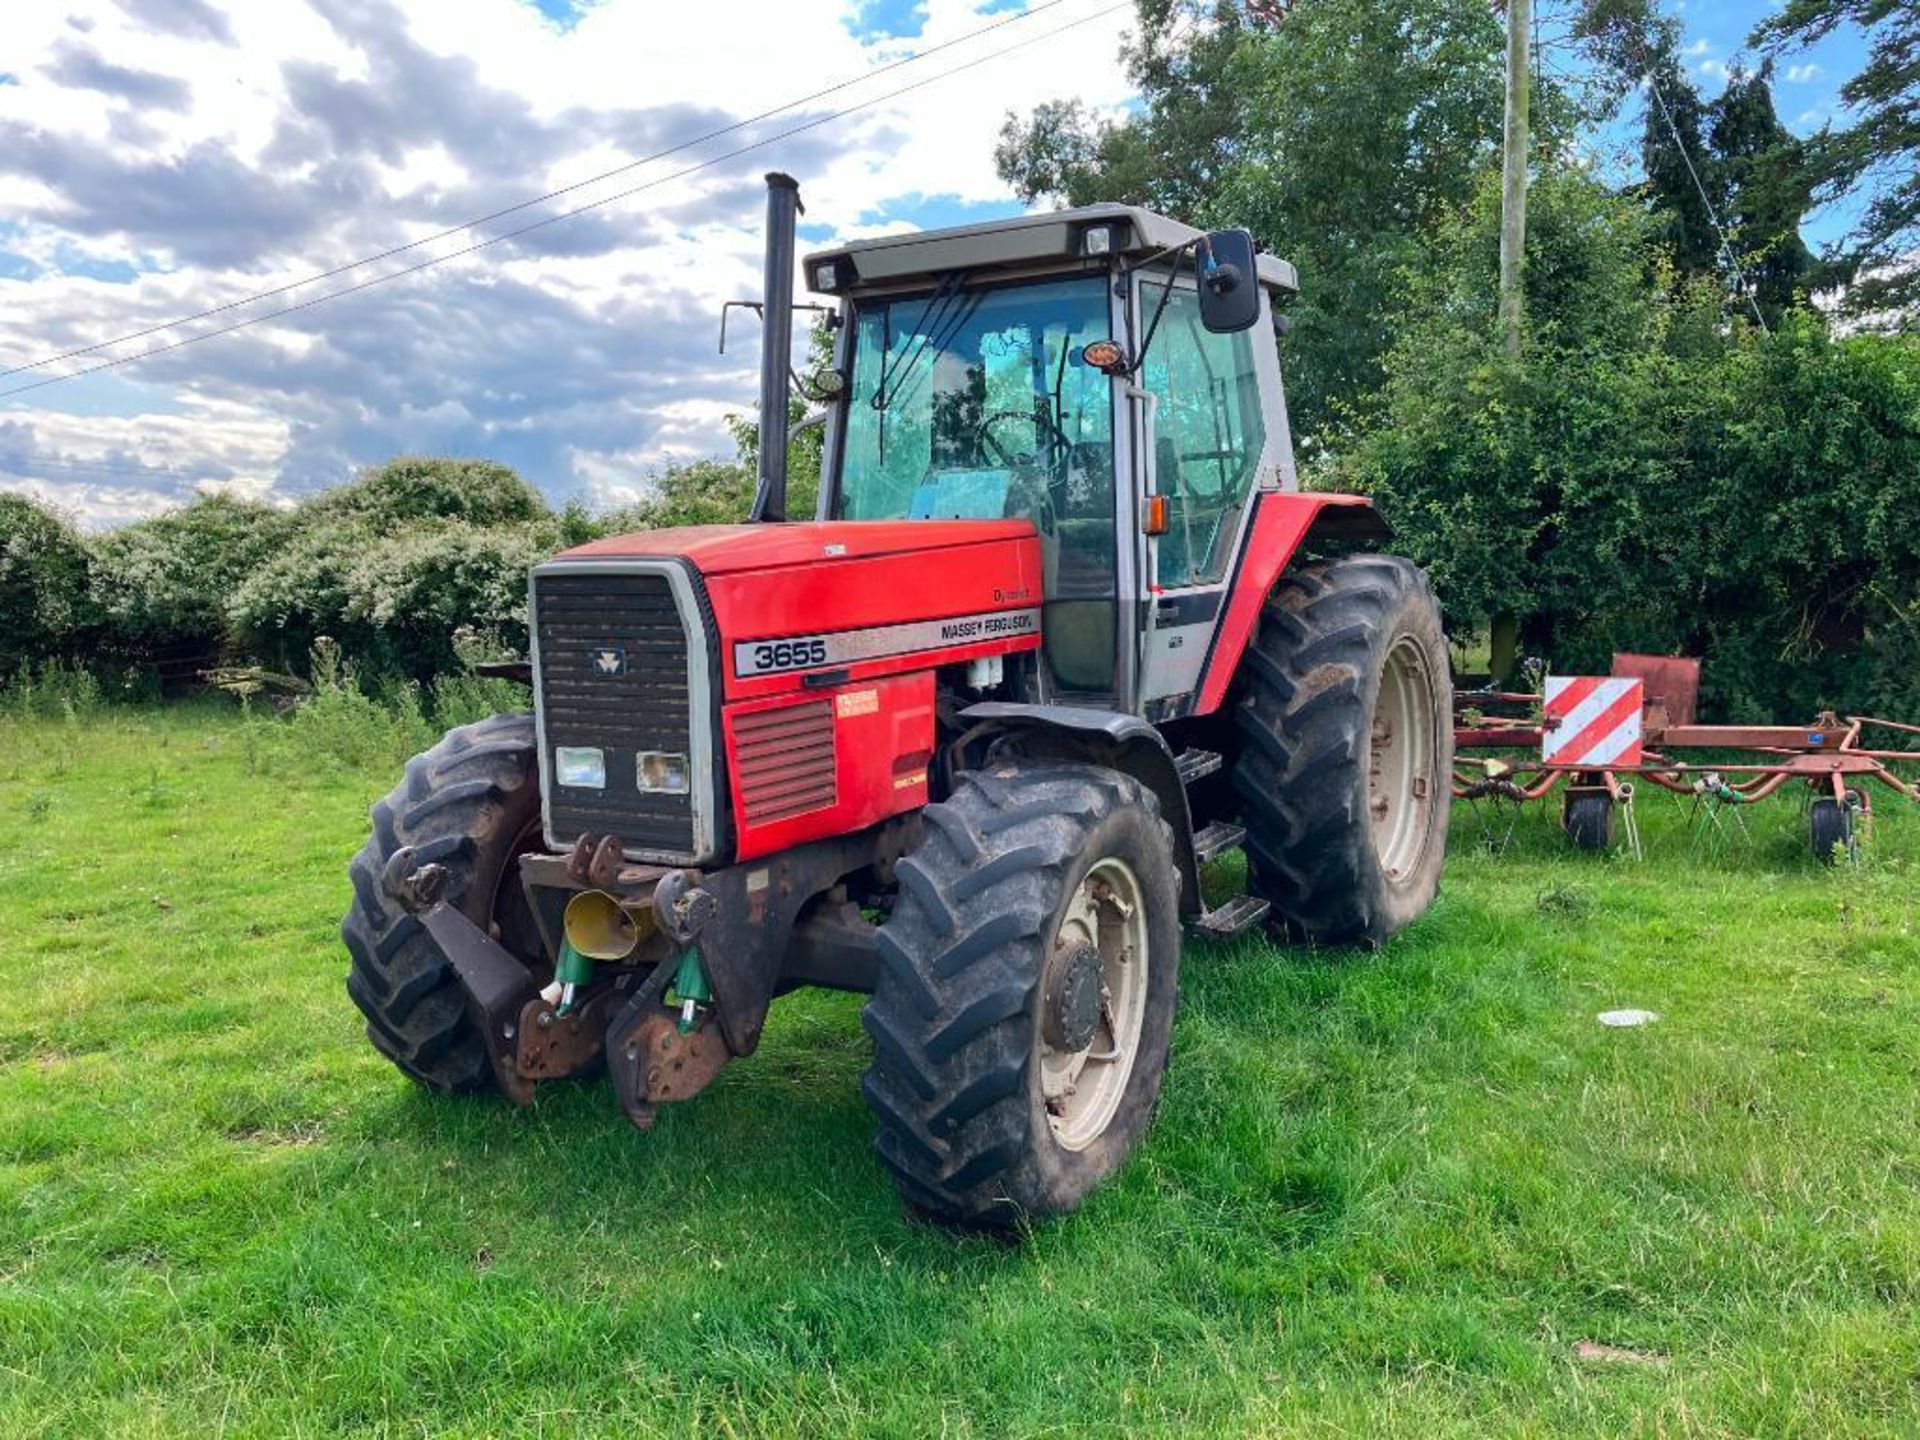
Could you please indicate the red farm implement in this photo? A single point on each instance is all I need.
(1596, 740)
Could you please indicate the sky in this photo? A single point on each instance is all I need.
(165, 157)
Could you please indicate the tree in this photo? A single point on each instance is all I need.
(1878, 154)
(1766, 186)
(1728, 159)
(1339, 131)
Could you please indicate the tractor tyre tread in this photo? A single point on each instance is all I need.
(462, 805)
(1308, 685)
(954, 1013)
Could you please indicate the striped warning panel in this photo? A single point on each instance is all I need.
(1592, 721)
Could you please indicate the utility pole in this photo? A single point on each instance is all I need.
(1513, 188)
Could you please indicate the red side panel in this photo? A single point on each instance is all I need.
(1279, 524)
(827, 762)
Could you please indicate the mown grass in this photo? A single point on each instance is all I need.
(1387, 1194)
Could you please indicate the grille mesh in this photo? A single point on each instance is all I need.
(646, 708)
(786, 761)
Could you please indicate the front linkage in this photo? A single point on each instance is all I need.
(687, 987)
(655, 1053)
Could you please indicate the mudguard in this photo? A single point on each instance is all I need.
(1121, 742)
(1283, 522)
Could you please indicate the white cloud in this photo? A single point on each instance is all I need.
(329, 129)
(1804, 74)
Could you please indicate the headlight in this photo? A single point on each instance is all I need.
(584, 766)
(661, 772)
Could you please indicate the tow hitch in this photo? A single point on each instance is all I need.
(655, 1054)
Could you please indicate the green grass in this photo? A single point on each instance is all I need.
(1387, 1194)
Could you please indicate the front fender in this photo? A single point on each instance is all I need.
(1118, 741)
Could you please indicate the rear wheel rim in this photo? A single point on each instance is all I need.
(1400, 770)
(1082, 1089)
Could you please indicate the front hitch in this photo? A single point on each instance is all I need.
(499, 988)
(653, 1054)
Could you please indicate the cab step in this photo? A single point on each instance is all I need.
(1192, 765)
(1241, 913)
(1216, 840)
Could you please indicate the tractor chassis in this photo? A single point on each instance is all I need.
(760, 928)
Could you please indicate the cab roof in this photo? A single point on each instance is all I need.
(1022, 240)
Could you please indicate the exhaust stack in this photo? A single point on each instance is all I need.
(776, 345)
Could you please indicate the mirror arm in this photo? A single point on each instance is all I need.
(1153, 326)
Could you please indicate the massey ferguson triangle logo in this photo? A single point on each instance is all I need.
(610, 660)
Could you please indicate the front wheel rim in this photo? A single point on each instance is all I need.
(1400, 783)
(1082, 1089)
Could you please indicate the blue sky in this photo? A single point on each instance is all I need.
(159, 157)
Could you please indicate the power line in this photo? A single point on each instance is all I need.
(564, 214)
(452, 230)
(1726, 245)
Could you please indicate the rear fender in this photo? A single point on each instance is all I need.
(1285, 523)
(1101, 737)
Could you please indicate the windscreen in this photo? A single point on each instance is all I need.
(975, 404)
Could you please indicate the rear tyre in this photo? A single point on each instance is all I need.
(1588, 820)
(1024, 1003)
(1346, 744)
(471, 804)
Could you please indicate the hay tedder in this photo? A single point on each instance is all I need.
(1063, 630)
(1595, 739)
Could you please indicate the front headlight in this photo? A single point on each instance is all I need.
(661, 772)
(583, 766)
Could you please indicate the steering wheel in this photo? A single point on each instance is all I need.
(1056, 437)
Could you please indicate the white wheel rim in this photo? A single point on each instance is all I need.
(1400, 784)
(1082, 1088)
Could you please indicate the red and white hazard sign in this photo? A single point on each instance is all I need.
(1592, 720)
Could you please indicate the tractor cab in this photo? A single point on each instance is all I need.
(1106, 373)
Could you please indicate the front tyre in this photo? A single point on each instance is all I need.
(471, 804)
(1346, 729)
(1024, 1004)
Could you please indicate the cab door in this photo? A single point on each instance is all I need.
(1216, 436)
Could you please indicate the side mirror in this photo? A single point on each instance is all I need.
(1229, 283)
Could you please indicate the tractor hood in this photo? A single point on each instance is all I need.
(850, 599)
(716, 550)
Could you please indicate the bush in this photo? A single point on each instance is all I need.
(161, 585)
(45, 611)
(1651, 476)
(416, 488)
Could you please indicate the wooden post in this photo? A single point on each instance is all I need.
(1513, 189)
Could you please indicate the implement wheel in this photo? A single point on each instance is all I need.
(1832, 827)
(1025, 997)
(1587, 817)
(472, 804)
(1346, 726)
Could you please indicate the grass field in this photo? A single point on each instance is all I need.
(1388, 1194)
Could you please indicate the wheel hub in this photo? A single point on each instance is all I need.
(1093, 1002)
(1072, 997)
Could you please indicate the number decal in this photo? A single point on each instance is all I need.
(789, 654)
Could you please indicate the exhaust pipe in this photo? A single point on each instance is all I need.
(776, 345)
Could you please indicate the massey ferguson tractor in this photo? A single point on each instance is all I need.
(1063, 633)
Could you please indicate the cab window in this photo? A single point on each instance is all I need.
(1208, 436)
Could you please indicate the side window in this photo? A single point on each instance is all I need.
(1207, 440)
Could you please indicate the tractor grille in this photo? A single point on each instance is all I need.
(785, 761)
(613, 676)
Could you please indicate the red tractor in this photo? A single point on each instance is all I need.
(966, 740)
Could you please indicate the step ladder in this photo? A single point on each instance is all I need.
(1242, 912)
